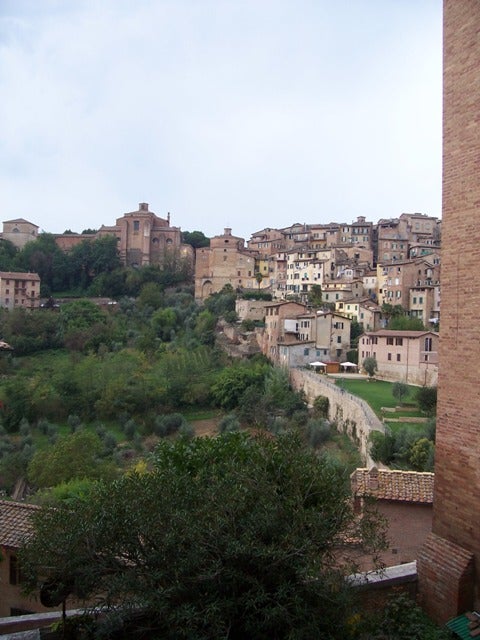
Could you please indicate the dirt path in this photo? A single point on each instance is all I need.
(206, 427)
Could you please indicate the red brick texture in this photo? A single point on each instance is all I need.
(445, 578)
(457, 465)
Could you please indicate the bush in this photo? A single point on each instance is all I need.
(321, 406)
(186, 430)
(168, 424)
(318, 432)
(130, 429)
(229, 423)
(426, 399)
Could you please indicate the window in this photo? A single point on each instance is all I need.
(399, 342)
(390, 341)
(136, 225)
(306, 352)
(15, 577)
(389, 356)
(339, 339)
(398, 357)
(428, 344)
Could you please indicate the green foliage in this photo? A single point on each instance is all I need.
(230, 560)
(401, 619)
(232, 382)
(219, 303)
(164, 322)
(400, 391)
(426, 398)
(72, 457)
(81, 314)
(406, 448)
(318, 432)
(422, 455)
(151, 295)
(229, 423)
(356, 330)
(195, 238)
(321, 407)
(256, 295)
(315, 297)
(168, 424)
(370, 366)
(405, 323)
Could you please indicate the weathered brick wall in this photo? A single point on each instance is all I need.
(457, 475)
(352, 415)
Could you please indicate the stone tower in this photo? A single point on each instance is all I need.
(449, 563)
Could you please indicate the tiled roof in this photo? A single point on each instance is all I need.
(15, 522)
(402, 486)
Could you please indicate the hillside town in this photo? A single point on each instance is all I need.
(359, 271)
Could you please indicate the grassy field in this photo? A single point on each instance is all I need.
(378, 394)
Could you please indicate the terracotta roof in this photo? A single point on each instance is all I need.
(19, 275)
(18, 220)
(387, 333)
(15, 522)
(402, 486)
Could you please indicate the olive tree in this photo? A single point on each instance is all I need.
(227, 537)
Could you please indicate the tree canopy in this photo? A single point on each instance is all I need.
(229, 537)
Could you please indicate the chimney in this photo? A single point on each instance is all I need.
(143, 206)
(373, 479)
(228, 231)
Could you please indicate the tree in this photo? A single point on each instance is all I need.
(426, 398)
(370, 366)
(315, 298)
(400, 391)
(72, 457)
(195, 238)
(228, 537)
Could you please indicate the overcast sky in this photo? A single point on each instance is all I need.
(227, 113)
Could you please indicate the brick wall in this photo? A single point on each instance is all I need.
(457, 466)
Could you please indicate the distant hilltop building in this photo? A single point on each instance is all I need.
(143, 237)
(19, 232)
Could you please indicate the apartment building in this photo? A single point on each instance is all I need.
(363, 310)
(19, 290)
(395, 236)
(280, 326)
(396, 279)
(407, 356)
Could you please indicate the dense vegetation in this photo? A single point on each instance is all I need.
(251, 540)
(91, 268)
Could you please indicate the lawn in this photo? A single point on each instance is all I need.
(378, 394)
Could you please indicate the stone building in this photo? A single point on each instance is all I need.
(225, 261)
(449, 562)
(19, 290)
(144, 238)
(19, 232)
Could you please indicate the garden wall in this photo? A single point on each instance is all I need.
(352, 415)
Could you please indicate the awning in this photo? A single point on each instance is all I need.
(317, 364)
(348, 364)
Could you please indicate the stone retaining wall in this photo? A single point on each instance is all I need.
(352, 415)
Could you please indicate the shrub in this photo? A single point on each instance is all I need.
(168, 424)
(229, 423)
(321, 406)
(318, 432)
(426, 398)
